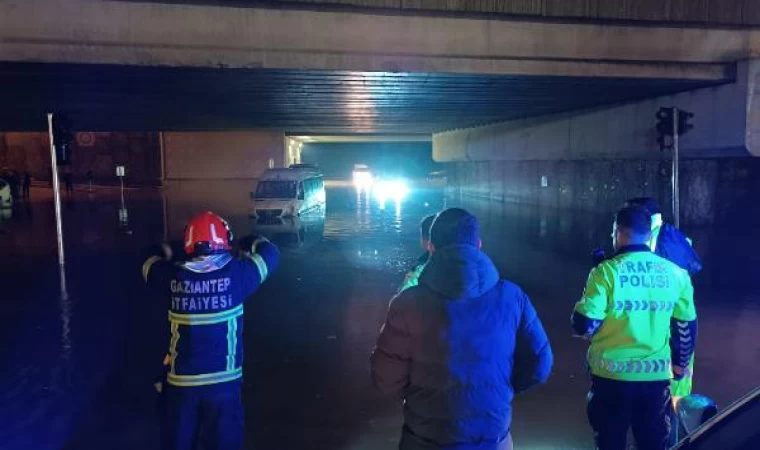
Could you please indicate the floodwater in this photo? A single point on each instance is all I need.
(77, 371)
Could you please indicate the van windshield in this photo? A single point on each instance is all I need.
(276, 189)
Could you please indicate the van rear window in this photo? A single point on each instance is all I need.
(276, 189)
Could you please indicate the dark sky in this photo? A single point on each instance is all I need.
(408, 159)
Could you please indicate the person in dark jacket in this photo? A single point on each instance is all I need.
(458, 346)
(668, 241)
(69, 181)
(27, 184)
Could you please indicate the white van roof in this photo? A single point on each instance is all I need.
(294, 174)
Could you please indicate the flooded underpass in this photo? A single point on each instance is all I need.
(78, 371)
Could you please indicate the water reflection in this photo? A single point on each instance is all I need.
(303, 231)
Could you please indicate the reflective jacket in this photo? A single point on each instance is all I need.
(206, 298)
(456, 348)
(688, 260)
(631, 305)
(412, 278)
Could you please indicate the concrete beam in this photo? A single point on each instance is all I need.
(725, 125)
(94, 31)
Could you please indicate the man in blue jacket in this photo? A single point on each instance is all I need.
(459, 345)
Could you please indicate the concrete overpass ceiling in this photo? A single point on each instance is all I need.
(301, 102)
(697, 12)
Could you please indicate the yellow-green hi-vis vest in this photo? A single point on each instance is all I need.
(635, 295)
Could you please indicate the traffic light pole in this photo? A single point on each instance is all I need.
(57, 202)
(676, 190)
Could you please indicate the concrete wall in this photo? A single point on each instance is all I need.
(712, 190)
(226, 155)
(216, 171)
(594, 160)
(99, 152)
(723, 115)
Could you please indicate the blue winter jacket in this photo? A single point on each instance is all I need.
(456, 348)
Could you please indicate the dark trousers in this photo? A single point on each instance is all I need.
(644, 406)
(208, 415)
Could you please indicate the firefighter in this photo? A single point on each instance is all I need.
(413, 276)
(205, 301)
(631, 305)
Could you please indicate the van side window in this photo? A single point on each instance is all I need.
(300, 191)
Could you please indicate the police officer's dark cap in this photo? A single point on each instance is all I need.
(648, 203)
(635, 219)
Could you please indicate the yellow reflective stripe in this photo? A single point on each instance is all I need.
(231, 329)
(256, 243)
(261, 265)
(173, 345)
(234, 341)
(148, 264)
(204, 379)
(653, 366)
(653, 238)
(205, 319)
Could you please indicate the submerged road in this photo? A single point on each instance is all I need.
(77, 372)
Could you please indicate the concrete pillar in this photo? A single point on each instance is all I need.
(753, 106)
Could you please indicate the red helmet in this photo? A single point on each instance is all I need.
(207, 233)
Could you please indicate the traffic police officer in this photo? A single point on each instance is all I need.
(205, 358)
(631, 305)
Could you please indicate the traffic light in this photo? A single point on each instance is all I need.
(665, 128)
(683, 122)
(63, 138)
(665, 121)
(665, 142)
(665, 118)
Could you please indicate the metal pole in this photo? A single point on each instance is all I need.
(58, 217)
(676, 191)
(166, 216)
(163, 156)
(56, 193)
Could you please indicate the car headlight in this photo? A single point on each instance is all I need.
(392, 189)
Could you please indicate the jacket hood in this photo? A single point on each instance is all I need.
(460, 272)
